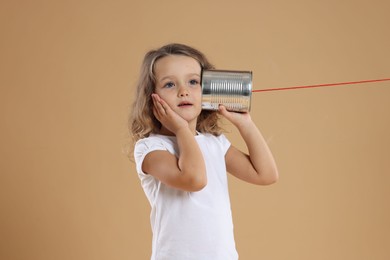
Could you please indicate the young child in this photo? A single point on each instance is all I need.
(182, 157)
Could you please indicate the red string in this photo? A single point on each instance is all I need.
(322, 85)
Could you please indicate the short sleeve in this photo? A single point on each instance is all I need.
(224, 143)
(142, 148)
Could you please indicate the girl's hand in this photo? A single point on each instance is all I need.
(239, 119)
(167, 117)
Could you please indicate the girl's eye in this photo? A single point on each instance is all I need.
(194, 82)
(169, 85)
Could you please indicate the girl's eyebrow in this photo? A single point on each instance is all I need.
(171, 76)
(164, 78)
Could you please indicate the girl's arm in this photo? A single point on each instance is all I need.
(188, 172)
(259, 166)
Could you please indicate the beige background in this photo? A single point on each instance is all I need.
(67, 73)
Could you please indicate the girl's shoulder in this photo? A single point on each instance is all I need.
(156, 138)
(169, 143)
(155, 142)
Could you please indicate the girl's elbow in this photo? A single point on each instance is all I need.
(274, 176)
(194, 183)
(197, 184)
(197, 187)
(271, 178)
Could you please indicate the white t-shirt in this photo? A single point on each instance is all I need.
(190, 225)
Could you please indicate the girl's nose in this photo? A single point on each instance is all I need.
(183, 91)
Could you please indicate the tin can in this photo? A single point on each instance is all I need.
(233, 89)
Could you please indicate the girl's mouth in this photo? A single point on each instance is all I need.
(185, 104)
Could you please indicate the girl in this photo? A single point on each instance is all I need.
(182, 157)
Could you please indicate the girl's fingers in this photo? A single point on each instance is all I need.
(161, 108)
(222, 110)
(156, 109)
(164, 113)
(166, 109)
(237, 118)
(157, 101)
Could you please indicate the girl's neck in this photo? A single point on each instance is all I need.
(165, 131)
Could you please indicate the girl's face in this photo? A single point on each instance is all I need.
(178, 84)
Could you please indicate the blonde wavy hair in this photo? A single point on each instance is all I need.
(142, 122)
